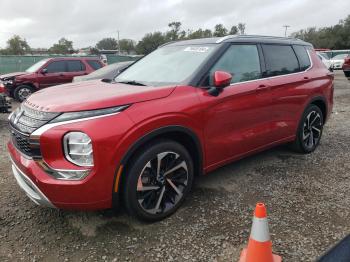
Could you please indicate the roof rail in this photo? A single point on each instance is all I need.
(253, 36)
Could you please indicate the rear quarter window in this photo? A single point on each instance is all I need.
(303, 57)
(280, 60)
(94, 64)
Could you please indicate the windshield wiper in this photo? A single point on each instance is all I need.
(132, 82)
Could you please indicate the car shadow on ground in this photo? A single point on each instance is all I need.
(225, 179)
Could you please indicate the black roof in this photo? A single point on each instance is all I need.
(242, 39)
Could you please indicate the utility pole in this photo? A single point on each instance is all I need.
(285, 31)
(118, 44)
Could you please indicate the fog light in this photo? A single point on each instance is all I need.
(78, 148)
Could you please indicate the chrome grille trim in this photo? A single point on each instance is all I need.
(23, 122)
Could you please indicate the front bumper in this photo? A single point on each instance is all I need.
(94, 192)
(28, 186)
(44, 190)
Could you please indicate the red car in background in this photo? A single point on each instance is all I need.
(45, 73)
(184, 110)
(346, 66)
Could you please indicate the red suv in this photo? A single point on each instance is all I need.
(182, 111)
(346, 66)
(45, 73)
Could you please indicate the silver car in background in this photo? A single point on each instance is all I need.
(326, 61)
(106, 72)
(338, 61)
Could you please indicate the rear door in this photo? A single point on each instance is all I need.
(238, 119)
(287, 75)
(74, 68)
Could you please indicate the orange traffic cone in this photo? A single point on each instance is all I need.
(259, 246)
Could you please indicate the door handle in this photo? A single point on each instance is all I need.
(261, 88)
(306, 78)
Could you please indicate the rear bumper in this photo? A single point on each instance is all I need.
(31, 190)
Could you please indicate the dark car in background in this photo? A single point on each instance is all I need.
(346, 66)
(4, 104)
(46, 73)
(107, 72)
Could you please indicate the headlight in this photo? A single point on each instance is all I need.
(87, 114)
(78, 149)
(8, 82)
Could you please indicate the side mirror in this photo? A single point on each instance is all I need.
(44, 71)
(222, 79)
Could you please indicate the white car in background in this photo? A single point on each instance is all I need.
(327, 62)
(338, 61)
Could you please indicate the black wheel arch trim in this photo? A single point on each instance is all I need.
(148, 137)
(323, 99)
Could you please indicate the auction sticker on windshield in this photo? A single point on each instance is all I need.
(199, 49)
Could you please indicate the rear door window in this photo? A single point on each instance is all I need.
(303, 57)
(75, 66)
(280, 60)
(56, 67)
(94, 64)
(241, 61)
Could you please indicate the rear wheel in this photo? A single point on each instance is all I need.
(310, 130)
(347, 73)
(22, 92)
(158, 180)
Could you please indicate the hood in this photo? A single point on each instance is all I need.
(12, 75)
(91, 95)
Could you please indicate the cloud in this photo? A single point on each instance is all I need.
(43, 22)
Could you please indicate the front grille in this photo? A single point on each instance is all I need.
(21, 142)
(25, 121)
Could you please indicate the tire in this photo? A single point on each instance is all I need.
(347, 73)
(310, 129)
(151, 197)
(22, 92)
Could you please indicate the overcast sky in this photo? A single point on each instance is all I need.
(43, 22)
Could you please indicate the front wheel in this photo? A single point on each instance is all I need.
(158, 180)
(309, 131)
(22, 92)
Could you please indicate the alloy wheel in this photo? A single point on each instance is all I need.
(162, 182)
(312, 129)
(23, 93)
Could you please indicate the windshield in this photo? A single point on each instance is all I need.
(168, 65)
(325, 56)
(36, 66)
(339, 57)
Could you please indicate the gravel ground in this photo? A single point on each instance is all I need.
(307, 197)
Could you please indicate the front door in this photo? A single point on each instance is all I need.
(238, 119)
(54, 74)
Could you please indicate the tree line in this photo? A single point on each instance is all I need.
(332, 37)
(17, 45)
